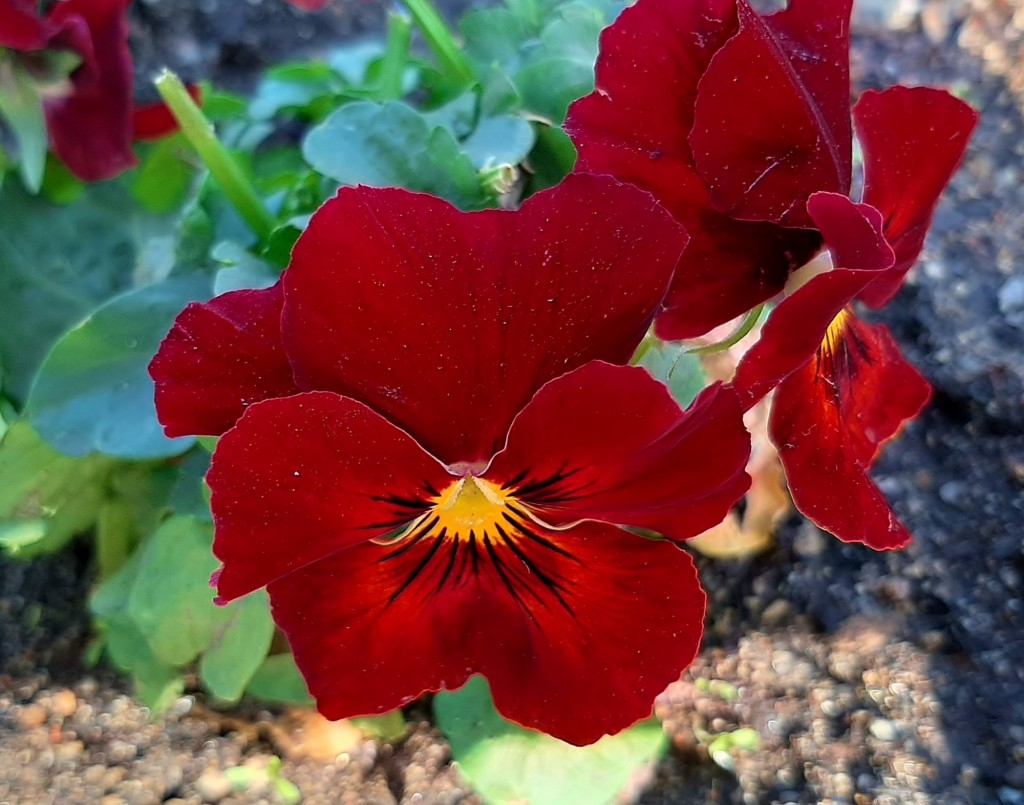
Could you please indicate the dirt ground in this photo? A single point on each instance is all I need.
(871, 678)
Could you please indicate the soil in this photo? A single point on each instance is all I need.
(870, 678)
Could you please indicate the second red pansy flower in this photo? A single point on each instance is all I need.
(448, 453)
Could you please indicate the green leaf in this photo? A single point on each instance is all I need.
(676, 368)
(509, 764)
(170, 598)
(21, 106)
(295, 88)
(393, 146)
(551, 159)
(242, 269)
(503, 140)
(93, 391)
(494, 38)
(279, 680)
(60, 185)
(239, 648)
(165, 176)
(46, 498)
(58, 263)
(548, 86)
(388, 727)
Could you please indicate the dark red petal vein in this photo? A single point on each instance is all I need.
(771, 121)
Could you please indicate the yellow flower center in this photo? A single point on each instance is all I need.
(471, 504)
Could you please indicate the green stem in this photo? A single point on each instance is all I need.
(440, 40)
(396, 55)
(222, 166)
(735, 337)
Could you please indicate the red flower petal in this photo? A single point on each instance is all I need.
(795, 329)
(913, 141)
(595, 615)
(299, 478)
(309, 5)
(219, 358)
(91, 128)
(635, 126)
(828, 421)
(448, 322)
(153, 121)
(21, 27)
(609, 443)
(771, 121)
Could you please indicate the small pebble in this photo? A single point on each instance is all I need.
(884, 729)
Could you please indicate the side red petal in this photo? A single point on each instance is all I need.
(828, 421)
(153, 121)
(21, 27)
(913, 140)
(635, 126)
(299, 478)
(771, 120)
(605, 616)
(219, 358)
(609, 443)
(91, 128)
(448, 322)
(794, 331)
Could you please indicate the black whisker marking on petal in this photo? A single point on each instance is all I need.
(452, 556)
(504, 576)
(527, 531)
(438, 542)
(410, 540)
(554, 586)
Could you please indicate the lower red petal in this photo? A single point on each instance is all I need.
(829, 420)
(219, 358)
(576, 636)
(299, 478)
(609, 443)
(21, 27)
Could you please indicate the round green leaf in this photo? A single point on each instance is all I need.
(509, 764)
(93, 391)
(238, 648)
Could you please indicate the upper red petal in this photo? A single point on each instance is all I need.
(448, 321)
(828, 421)
(635, 126)
(609, 443)
(220, 357)
(152, 121)
(596, 615)
(772, 120)
(21, 27)
(794, 331)
(91, 128)
(299, 478)
(913, 141)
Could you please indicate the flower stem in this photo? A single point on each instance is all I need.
(396, 55)
(222, 166)
(440, 40)
(734, 337)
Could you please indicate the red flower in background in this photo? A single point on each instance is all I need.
(740, 124)
(309, 5)
(445, 490)
(90, 126)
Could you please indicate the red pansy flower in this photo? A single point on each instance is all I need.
(309, 5)
(93, 124)
(740, 124)
(437, 453)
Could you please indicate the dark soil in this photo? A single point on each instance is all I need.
(886, 678)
